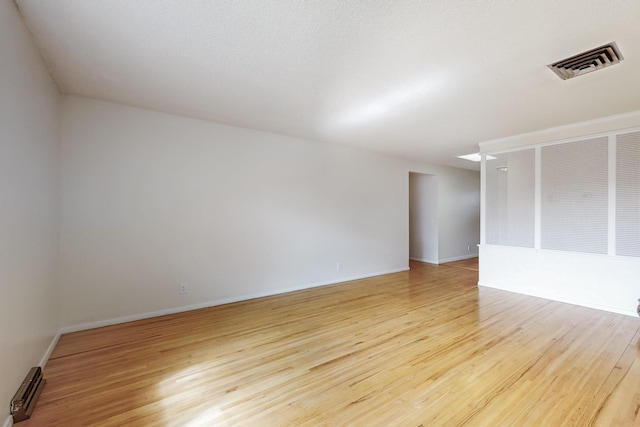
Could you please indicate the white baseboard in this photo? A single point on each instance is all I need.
(222, 301)
(565, 300)
(442, 261)
(428, 261)
(8, 422)
(458, 258)
(47, 354)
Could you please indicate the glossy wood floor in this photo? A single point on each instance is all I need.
(419, 348)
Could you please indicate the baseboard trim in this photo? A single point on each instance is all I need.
(566, 301)
(47, 354)
(442, 261)
(428, 261)
(457, 258)
(8, 422)
(222, 301)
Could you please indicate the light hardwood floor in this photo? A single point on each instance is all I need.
(419, 348)
(469, 263)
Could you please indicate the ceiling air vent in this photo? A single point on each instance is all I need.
(588, 61)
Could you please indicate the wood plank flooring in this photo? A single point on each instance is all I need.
(420, 348)
(469, 263)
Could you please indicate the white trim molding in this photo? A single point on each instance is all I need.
(222, 301)
(591, 128)
(458, 258)
(428, 261)
(47, 354)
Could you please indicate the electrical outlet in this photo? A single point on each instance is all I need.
(339, 266)
(182, 288)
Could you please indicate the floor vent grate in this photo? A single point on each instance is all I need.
(24, 402)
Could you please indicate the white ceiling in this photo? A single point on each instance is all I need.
(422, 79)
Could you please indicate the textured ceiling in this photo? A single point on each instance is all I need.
(421, 79)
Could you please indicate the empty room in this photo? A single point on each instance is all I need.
(319, 213)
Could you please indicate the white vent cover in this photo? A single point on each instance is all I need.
(586, 62)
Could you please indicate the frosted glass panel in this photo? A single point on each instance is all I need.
(628, 194)
(574, 196)
(510, 190)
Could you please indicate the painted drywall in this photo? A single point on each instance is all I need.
(599, 280)
(423, 218)
(596, 281)
(150, 200)
(458, 215)
(510, 202)
(29, 104)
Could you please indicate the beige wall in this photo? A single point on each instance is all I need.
(29, 205)
(150, 200)
(423, 218)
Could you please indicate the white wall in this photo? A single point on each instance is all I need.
(596, 281)
(151, 199)
(458, 215)
(510, 202)
(586, 271)
(423, 218)
(29, 211)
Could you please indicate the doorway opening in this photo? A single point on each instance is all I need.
(423, 217)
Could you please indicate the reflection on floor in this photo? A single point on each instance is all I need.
(421, 347)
